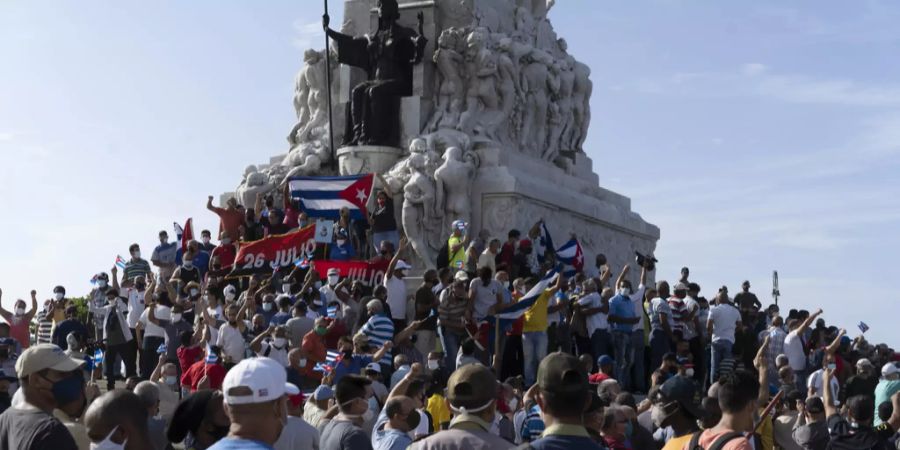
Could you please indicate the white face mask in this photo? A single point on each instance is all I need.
(433, 364)
(205, 240)
(101, 283)
(188, 264)
(59, 296)
(176, 317)
(171, 380)
(20, 311)
(302, 362)
(267, 306)
(108, 444)
(226, 241)
(278, 342)
(318, 285)
(229, 296)
(513, 403)
(333, 279)
(194, 292)
(341, 242)
(286, 288)
(625, 291)
(136, 255)
(689, 372)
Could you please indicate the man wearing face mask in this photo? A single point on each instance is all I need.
(118, 420)
(397, 420)
(165, 378)
(186, 273)
(206, 244)
(296, 364)
(97, 298)
(225, 252)
(136, 266)
(49, 379)
(268, 308)
(337, 290)
(164, 256)
(272, 344)
(344, 432)
(117, 336)
(313, 346)
(472, 395)
(256, 400)
(396, 287)
(19, 319)
(341, 249)
(148, 392)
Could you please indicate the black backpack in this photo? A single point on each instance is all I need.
(718, 444)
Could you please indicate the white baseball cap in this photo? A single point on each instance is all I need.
(374, 367)
(334, 271)
(47, 356)
(887, 369)
(402, 265)
(256, 380)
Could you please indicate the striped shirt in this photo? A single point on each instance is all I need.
(681, 310)
(45, 328)
(379, 329)
(533, 426)
(452, 310)
(139, 268)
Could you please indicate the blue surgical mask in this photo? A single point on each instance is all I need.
(67, 390)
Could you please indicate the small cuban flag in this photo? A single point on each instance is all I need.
(303, 262)
(97, 360)
(120, 261)
(211, 357)
(863, 327)
(332, 358)
(331, 312)
(162, 349)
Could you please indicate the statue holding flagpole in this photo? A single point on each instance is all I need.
(387, 57)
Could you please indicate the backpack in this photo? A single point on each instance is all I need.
(718, 444)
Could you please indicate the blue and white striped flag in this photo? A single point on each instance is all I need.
(517, 309)
(331, 312)
(332, 358)
(863, 327)
(211, 357)
(161, 349)
(325, 196)
(98, 357)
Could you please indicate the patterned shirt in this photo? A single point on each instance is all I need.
(138, 268)
(379, 329)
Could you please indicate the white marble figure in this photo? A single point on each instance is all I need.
(454, 180)
(581, 103)
(399, 175)
(310, 99)
(481, 95)
(565, 81)
(449, 61)
(254, 182)
(419, 212)
(508, 83)
(535, 84)
(306, 159)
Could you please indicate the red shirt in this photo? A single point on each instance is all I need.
(230, 221)
(226, 254)
(314, 349)
(291, 217)
(597, 378)
(214, 372)
(187, 356)
(506, 255)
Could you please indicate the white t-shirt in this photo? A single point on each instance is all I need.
(724, 319)
(815, 381)
(396, 297)
(793, 349)
(232, 343)
(485, 296)
(637, 299)
(278, 354)
(151, 329)
(135, 307)
(596, 321)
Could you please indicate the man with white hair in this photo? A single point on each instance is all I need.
(887, 387)
(148, 392)
(379, 328)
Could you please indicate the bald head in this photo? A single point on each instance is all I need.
(118, 410)
(148, 392)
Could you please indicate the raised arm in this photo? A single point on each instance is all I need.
(393, 263)
(256, 343)
(761, 362)
(115, 279)
(34, 307)
(622, 275)
(159, 365)
(833, 347)
(809, 320)
(382, 351)
(7, 316)
(643, 280)
(403, 385)
(408, 331)
(148, 294)
(210, 206)
(830, 410)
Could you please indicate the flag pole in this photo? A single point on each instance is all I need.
(328, 82)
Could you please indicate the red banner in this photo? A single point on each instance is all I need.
(265, 255)
(369, 274)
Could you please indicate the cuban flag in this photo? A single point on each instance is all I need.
(325, 196)
(571, 256)
(332, 358)
(545, 243)
(331, 312)
(518, 309)
(120, 261)
(863, 327)
(185, 234)
(211, 357)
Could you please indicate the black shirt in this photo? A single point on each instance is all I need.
(383, 218)
(31, 429)
(846, 437)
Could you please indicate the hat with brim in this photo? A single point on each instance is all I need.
(682, 390)
(402, 265)
(471, 386)
(45, 356)
(256, 380)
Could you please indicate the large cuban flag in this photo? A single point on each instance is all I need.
(517, 309)
(325, 196)
(571, 256)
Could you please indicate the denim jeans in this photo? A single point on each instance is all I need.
(450, 342)
(638, 372)
(534, 348)
(623, 353)
(660, 344)
(721, 349)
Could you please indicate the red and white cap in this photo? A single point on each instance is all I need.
(256, 380)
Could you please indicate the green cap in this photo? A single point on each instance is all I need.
(561, 373)
(471, 386)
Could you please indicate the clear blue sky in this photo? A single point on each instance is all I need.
(758, 136)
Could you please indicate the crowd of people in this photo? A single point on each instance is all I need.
(297, 359)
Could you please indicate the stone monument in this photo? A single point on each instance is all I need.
(467, 109)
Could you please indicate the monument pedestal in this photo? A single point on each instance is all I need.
(360, 159)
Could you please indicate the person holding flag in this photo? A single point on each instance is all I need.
(164, 256)
(534, 330)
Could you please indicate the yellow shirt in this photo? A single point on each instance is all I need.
(536, 316)
(439, 411)
(458, 259)
(678, 443)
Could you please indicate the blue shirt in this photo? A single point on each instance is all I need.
(622, 307)
(533, 425)
(341, 252)
(388, 439)
(280, 318)
(379, 329)
(239, 444)
(357, 363)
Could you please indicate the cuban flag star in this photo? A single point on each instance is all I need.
(571, 256)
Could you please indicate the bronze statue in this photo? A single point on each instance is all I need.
(388, 57)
